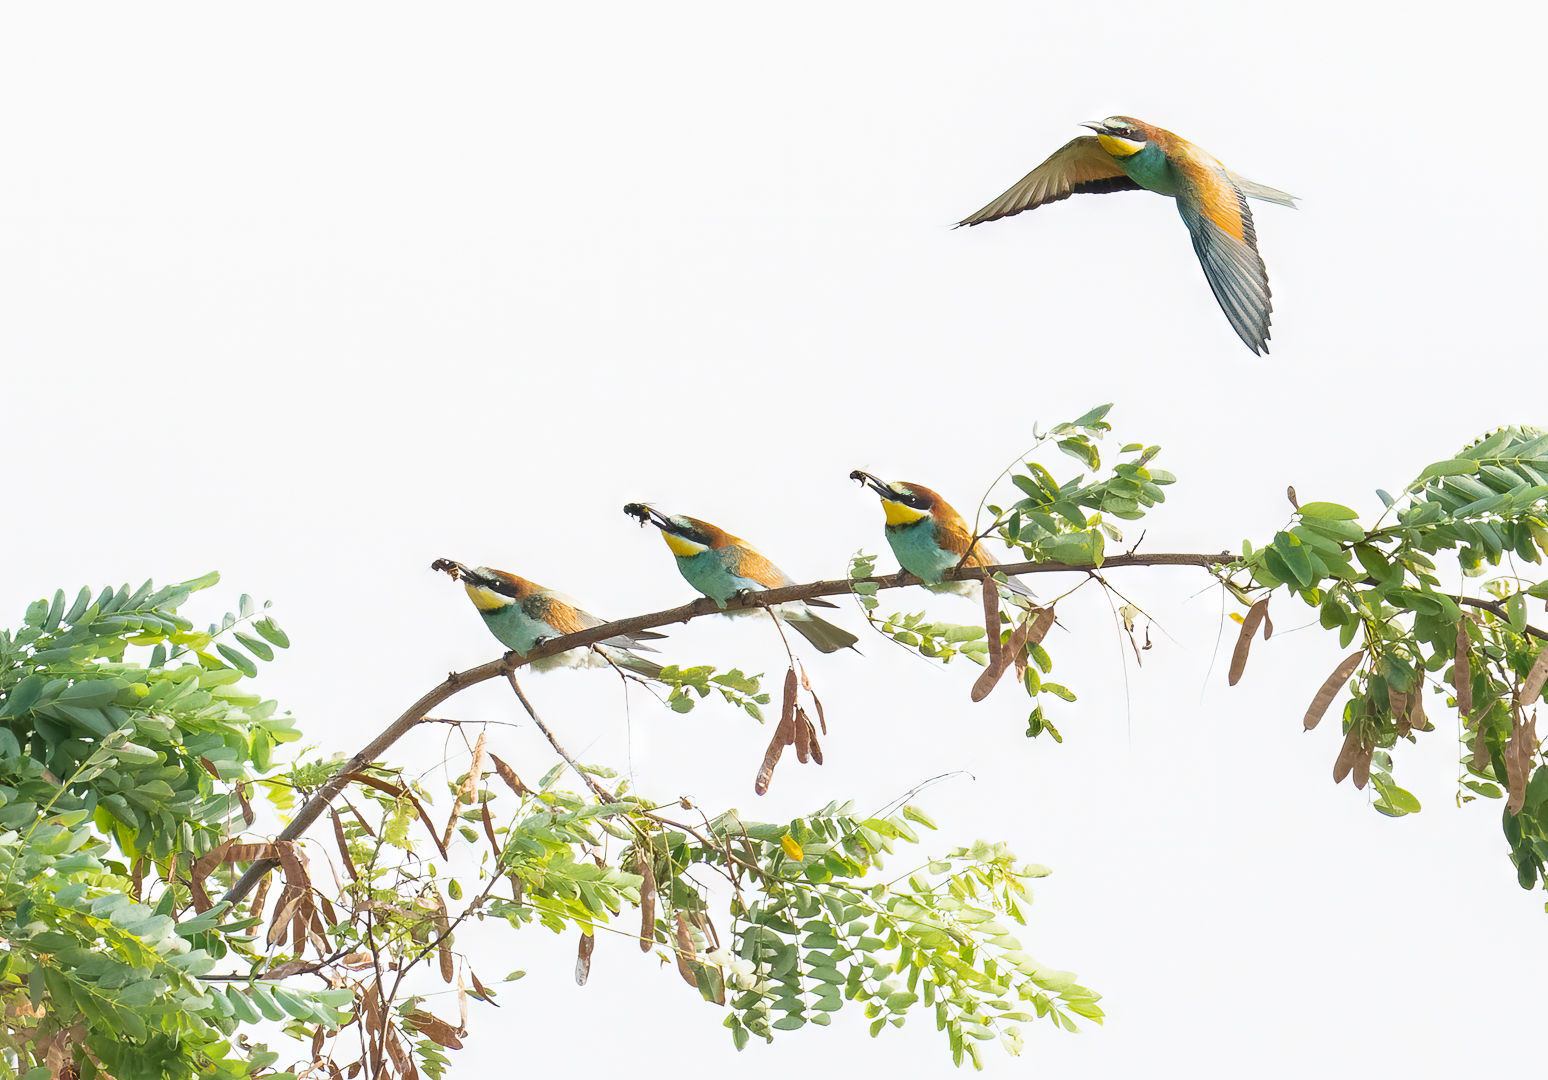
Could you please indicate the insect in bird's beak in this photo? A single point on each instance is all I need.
(647, 515)
(867, 480)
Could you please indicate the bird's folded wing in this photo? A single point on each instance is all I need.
(566, 618)
(1254, 190)
(1080, 167)
(1216, 214)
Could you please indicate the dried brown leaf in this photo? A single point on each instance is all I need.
(1362, 766)
(294, 863)
(991, 596)
(469, 789)
(435, 1029)
(583, 959)
(1347, 754)
(443, 932)
(248, 817)
(489, 827)
(817, 701)
(1254, 616)
(813, 747)
(643, 866)
(508, 774)
(240, 853)
(1518, 758)
(399, 791)
(400, 1056)
(1416, 714)
(201, 869)
(802, 728)
(1268, 626)
(338, 836)
(483, 992)
(1462, 675)
(360, 818)
(685, 954)
(284, 910)
(1331, 687)
(1399, 702)
(287, 969)
(787, 708)
(784, 734)
(1532, 685)
(262, 894)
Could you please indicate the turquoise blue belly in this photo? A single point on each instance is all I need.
(917, 551)
(708, 573)
(514, 629)
(1150, 169)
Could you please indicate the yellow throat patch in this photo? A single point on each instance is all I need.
(1119, 147)
(899, 514)
(486, 599)
(681, 546)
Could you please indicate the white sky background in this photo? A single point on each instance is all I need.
(313, 295)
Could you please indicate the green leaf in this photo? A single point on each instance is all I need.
(1516, 612)
(1296, 559)
(271, 633)
(258, 648)
(237, 660)
(1453, 467)
(1330, 510)
(1079, 447)
(1092, 419)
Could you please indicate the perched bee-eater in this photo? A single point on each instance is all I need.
(1126, 155)
(523, 615)
(928, 536)
(720, 566)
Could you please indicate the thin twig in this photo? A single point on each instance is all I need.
(596, 789)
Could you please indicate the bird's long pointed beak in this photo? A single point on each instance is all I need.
(647, 514)
(1094, 125)
(871, 482)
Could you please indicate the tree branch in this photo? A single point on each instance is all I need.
(510, 662)
(1499, 609)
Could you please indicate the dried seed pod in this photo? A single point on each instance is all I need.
(1250, 621)
(1330, 688)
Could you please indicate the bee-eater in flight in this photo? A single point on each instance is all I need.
(929, 537)
(721, 566)
(523, 615)
(1127, 155)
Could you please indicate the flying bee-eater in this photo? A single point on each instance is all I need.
(722, 566)
(1127, 155)
(522, 615)
(929, 537)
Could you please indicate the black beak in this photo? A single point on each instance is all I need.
(647, 515)
(873, 483)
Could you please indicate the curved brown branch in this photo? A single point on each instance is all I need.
(1499, 609)
(510, 662)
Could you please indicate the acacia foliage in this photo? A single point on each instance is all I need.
(131, 745)
(1484, 511)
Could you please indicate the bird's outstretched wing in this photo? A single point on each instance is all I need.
(1079, 167)
(1215, 211)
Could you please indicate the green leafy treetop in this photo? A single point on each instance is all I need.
(146, 922)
